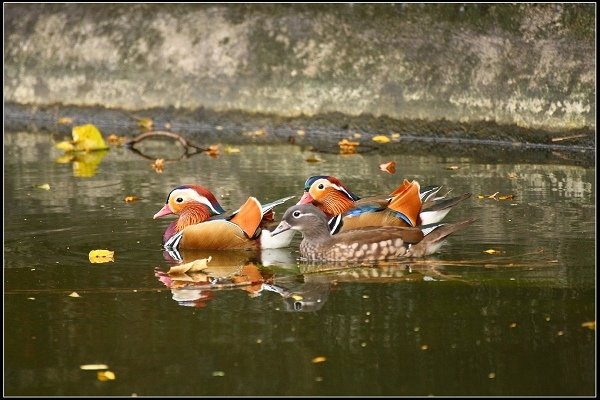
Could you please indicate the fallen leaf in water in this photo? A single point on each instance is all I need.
(116, 140)
(145, 123)
(131, 199)
(357, 135)
(231, 150)
(65, 146)
(106, 376)
(194, 266)
(93, 367)
(395, 135)
(65, 121)
(218, 373)
(158, 165)
(213, 150)
(319, 359)
(347, 147)
(496, 196)
(300, 132)
(256, 133)
(44, 186)
(452, 167)
(74, 294)
(381, 139)
(101, 256)
(506, 197)
(87, 138)
(389, 167)
(590, 325)
(491, 251)
(313, 159)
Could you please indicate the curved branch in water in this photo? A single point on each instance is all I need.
(187, 145)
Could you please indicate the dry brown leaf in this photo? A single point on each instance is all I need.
(213, 150)
(158, 165)
(65, 121)
(116, 140)
(145, 123)
(313, 159)
(347, 147)
(389, 167)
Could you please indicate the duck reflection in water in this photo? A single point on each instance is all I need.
(195, 279)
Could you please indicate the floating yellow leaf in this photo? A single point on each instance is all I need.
(300, 132)
(101, 256)
(491, 251)
(395, 135)
(389, 167)
(93, 367)
(381, 139)
(44, 186)
(65, 146)
(319, 359)
(452, 167)
(194, 266)
(106, 376)
(145, 123)
(87, 137)
(357, 135)
(218, 373)
(131, 199)
(158, 165)
(65, 121)
(590, 325)
(347, 147)
(231, 150)
(74, 294)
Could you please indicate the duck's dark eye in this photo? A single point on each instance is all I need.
(179, 200)
(321, 186)
(296, 214)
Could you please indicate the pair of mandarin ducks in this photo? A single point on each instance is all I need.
(336, 224)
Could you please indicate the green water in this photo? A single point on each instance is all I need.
(462, 322)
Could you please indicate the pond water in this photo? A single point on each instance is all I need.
(517, 321)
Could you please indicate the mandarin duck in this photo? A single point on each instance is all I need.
(407, 205)
(370, 243)
(203, 224)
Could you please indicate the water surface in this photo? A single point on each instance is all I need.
(462, 322)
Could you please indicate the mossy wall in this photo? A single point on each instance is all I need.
(530, 65)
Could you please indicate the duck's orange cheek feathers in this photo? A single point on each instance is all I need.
(166, 210)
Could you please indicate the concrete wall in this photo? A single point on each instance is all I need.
(527, 65)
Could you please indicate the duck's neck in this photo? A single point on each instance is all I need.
(193, 214)
(317, 233)
(335, 203)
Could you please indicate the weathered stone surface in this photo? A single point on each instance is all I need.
(527, 65)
